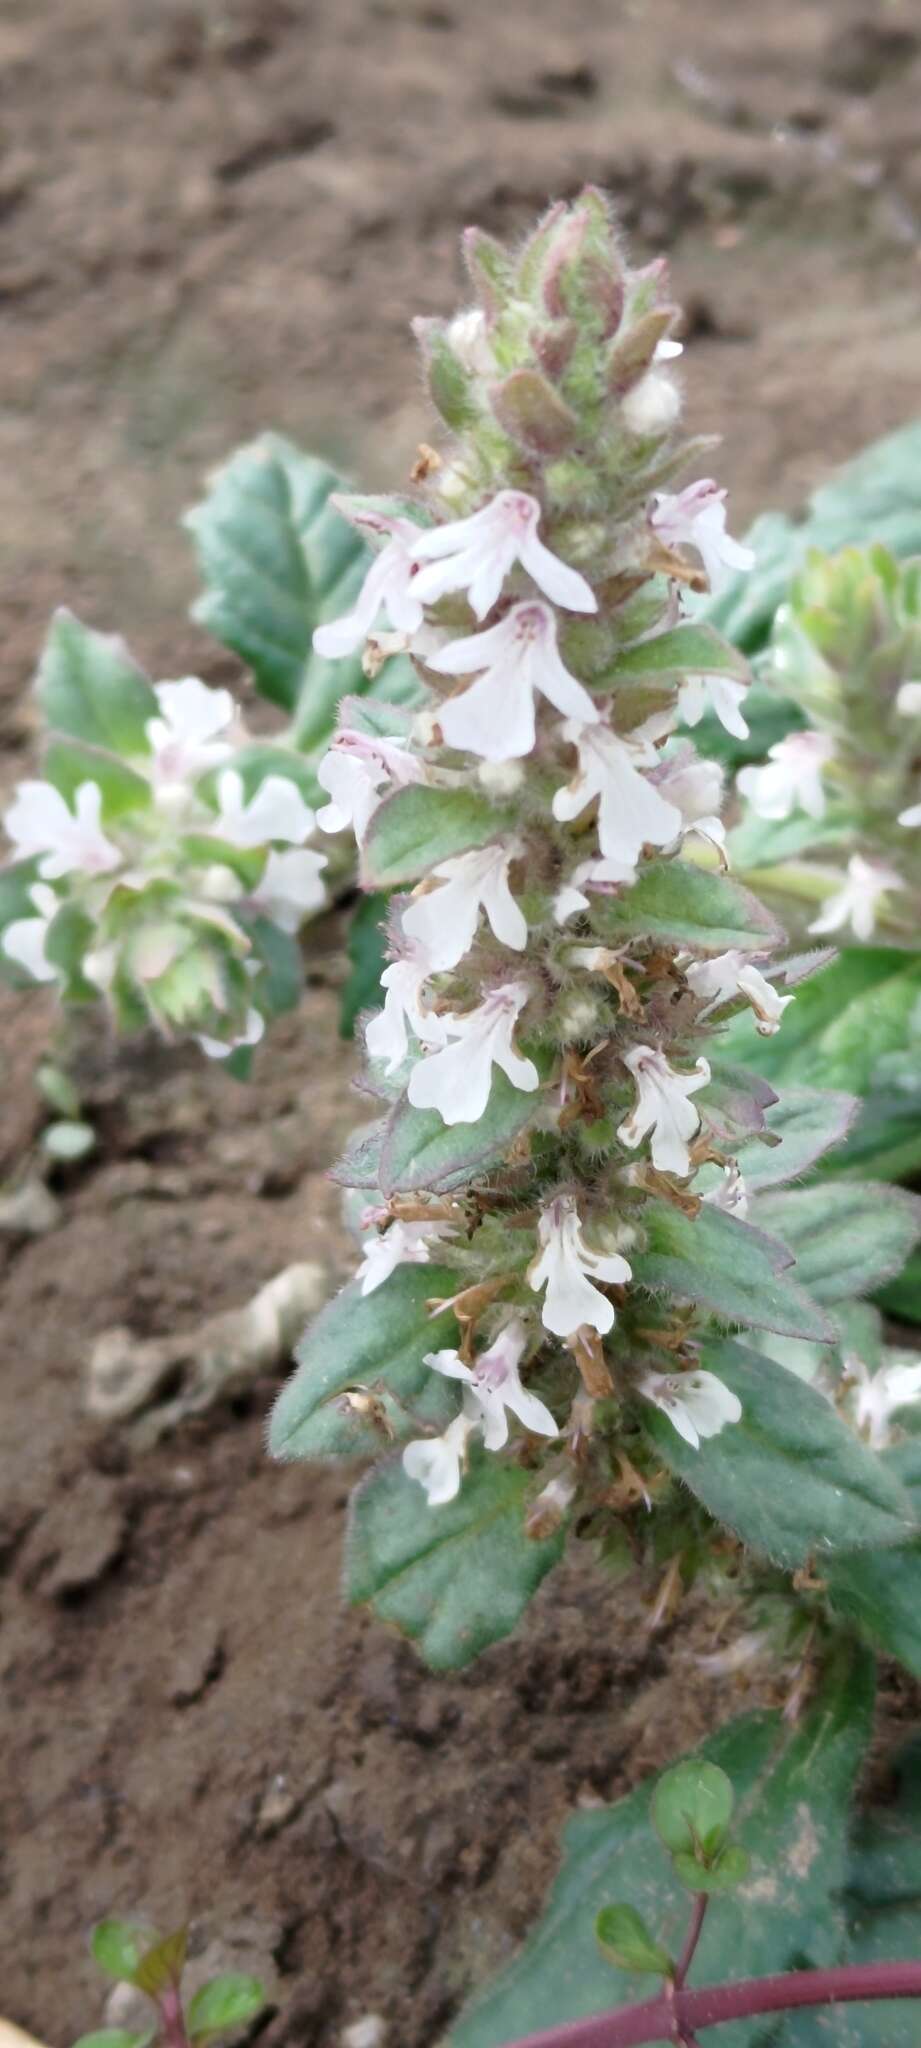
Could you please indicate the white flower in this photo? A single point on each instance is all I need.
(402, 1244)
(653, 404)
(697, 1403)
(912, 816)
(631, 813)
(386, 1036)
(457, 1080)
(791, 777)
(729, 975)
(567, 1267)
(495, 716)
(276, 811)
(444, 920)
(389, 587)
(721, 694)
(666, 350)
(290, 886)
(908, 700)
(24, 939)
(696, 517)
(39, 821)
(476, 555)
(662, 1107)
(495, 1383)
(857, 901)
(468, 338)
(436, 1461)
(187, 738)
(696, 787)
(731, 1193)
(218, 1049)
(882, 1394)
(354, 773)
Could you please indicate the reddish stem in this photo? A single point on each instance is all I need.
(701, 1902)
(173, 2018)
(678, 2012)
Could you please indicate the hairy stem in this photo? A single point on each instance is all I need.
(676, 2014)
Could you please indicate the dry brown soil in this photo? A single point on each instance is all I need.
(216, 216)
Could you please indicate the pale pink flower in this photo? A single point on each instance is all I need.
(495, 1384)
(355, 772)
(696, 518)
(388, 587)
(401, 1244)
(436, 1462)
(631, 812)
(697, 1403)
(476, 554)
(662, 1107)
(721, 694)
(457, 1080)
(857, 901)
(387, 1034)
(70, 841)
(276, 811)
(791, 778)
(191, 733)
(495, 716)
(729, 975)
(444, 920)
(568, 1267)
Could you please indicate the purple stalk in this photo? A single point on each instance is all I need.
(677, 2013)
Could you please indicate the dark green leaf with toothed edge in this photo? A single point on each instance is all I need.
(91, 689)
(790, 1478)
(421, 1151)
(418, 825)
(278, 560)
(793, 1787)
(728, 1267)
(374, 1344)
(672, 900)
(686, 650)
(850, 1236)
(454, 1578)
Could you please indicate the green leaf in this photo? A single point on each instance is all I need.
(367, 951)
(850, 1236)
(281, 981)
(672, 900)
(420, 1151)
(793, 1789)
(227, 2001)
(902, 1296)
(692, 1802)
(417, 826)
(117, 1946)
(878, 1589)
(360, 1165)
(278, 560)
(844, 1020)
(454, 1578)
(374, 1343)
(90, 688)
(68, 763)
(790, 1478)
(163, 1964)
(627, 1942)
(808, 1123)
(691, 649)
(723, 1875)
(114, 2037)
(729, 1267)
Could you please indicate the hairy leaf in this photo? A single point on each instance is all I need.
(89, 687)
(420, 1151)
(850, 1236)
(790, 1479)
(672, 900)
(417, 826)
(730, 1268)
(374, 1344)
(454, 1578)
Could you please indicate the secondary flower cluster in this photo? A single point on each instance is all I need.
(847, 651)
(550, 986)
(149, 876)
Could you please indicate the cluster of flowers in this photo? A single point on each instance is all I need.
(538, 550)
(167, 869)
(846, 649)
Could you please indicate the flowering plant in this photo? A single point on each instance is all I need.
(572, 1203)
(832, 835)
